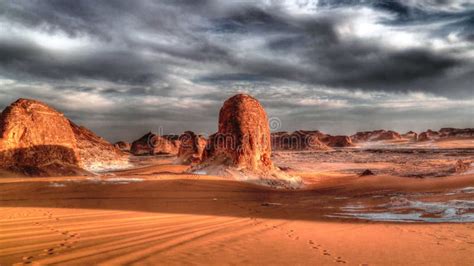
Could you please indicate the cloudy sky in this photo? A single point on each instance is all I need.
(124, 67)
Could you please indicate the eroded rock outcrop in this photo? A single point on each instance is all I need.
(456, 133)
(428, 135)
(298, 141)
(447, 133)
(242, 147)
(337, 141)
(375, 135)
(191, 148)
(411, 135)
(151, 144)
(142, 145)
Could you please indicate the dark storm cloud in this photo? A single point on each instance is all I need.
(151, 62)
(119, 66)
(321, 55)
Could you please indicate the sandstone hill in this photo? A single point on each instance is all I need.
(37, 140)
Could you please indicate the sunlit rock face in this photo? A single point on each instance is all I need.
(38, 140)
(243, 137)
(34, 136)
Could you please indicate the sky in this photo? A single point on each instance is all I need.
(123, 68)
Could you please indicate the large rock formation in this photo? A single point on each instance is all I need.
(243, 137)
(298, 141)
(151, 144)
(191, 148)
(142, 145)
(447, 133)
(456, 133)
(242, 148)
(337, 141)
(411, 135)
(35, 139)
(428, 135)
(388, 135)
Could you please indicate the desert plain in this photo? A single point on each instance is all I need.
(156, 213)
(69, 197)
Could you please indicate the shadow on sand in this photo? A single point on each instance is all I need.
(179, 196)
(211, 197)
(41, 160)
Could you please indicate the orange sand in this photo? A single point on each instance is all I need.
(175, 219)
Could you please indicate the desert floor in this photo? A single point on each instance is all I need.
(158, 214)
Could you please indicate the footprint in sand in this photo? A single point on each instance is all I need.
(67, 243)
(340, 260)
(325, 252)
(27, 259)
(49, 251)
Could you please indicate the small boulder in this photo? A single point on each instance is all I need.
(366, 172)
